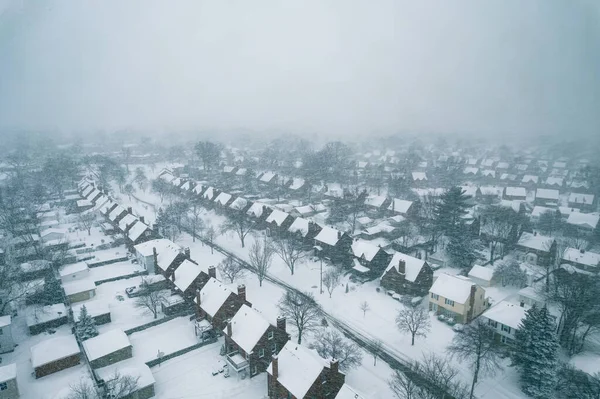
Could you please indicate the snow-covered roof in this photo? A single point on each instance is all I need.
(167, 254)
(419, 176)
(507, 313)
(8, 372)
(84, 202)
(5, 321)
(198, 188)
(502, 165)
(130, 367)
(470, 170)
(400, 206)
(535, 241)
(73, 268)
(488, 172)
(241, 172)
(481, 272)
(209, 193)
(267, 177)
(93, 307)
(186, 186)
(37, 315)
(297, 183)
(545, 193)
(578, 198)
(530, 179)
(126, 221)
(305, 210)
(186, 273)
(137, 230)
(587, 220)
(100, 202)
(223, 198)
(490, 190)
(93, 194)
(228, 169)
(53, 349)
(516, 191)
(116, 212)
(538, 210)
(299, 225)
(454, 288)
(583, 258)
(176, 182)
(375, 201)
(87, 191)
(212, 296)
(168, 177)
(508, 176)
(277, 216)
(239, 203)
(76, 287)
(145, 248)
(105, 344)
(298, 368)
(104, 208)
(554, 181)
(328, 235)
(347, 392)
(256, 209)
(364, 248)
(247, 328)
(412, 266)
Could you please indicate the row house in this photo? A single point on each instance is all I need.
(251, 341)
(160, 256)
(300, 373)
(216, 303)
(140, 232)
(259, 212)
(554, 182)
(457, 297)
(407, 275)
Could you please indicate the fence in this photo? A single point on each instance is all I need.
(108, 262)
(157, 322)
(180, 352)
(126, 276)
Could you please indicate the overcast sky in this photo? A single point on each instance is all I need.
(326, 66)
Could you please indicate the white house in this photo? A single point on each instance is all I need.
(484, 276)
(7, 344)
(505, 318)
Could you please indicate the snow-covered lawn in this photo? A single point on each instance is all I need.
(108, 254)
(114, 270)
(97, 237)
(168, 337)
(190, 376)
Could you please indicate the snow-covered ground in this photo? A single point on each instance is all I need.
(167, 338)
(114, 270)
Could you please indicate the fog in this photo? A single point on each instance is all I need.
(331, 67)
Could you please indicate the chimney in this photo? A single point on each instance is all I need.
(130, 210)
(229, 328)
(212, 272)
(334, 366)
(281, 323)
(187, 252)
(401, 267)
(339, 234)
(155, 256)
(142, 219)
(198, 298)
(275, 367)
(173, 276)
(241, 291)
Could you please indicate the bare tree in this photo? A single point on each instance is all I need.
(477, 346)
(210, 234)
(404, 387)
(231, 269)
(194, 219)
(290, 250)
(150, 298)
(332, 344)
(364, 306)
(13, 288)
(239, 225)
(85, 221)
(332, 279)
(260, 257)
(84, 389)
(302, 309)
(120, 385)
(497, 225)
(413, 320)
(376, 348)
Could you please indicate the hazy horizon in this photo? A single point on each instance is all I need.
(339, 68)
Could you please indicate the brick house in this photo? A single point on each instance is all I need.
(369, 259)
(9, 388)
(407, 275)
(217, 303)
(305, 230)
(333, 244)
(546, 197)
(300, 373)
(514, 193)
(250, 341)
(190, 277)
(278, 221)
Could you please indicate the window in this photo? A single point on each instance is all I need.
(270, 335)
(274, 348)
(505, 340)
(493, 323)
(3, 386)
(1, 331)
(261, 352)
(449, 302)
(506, 328)
(435, 296)
(324, 378)
(254, 370)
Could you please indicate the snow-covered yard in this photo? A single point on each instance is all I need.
(168, 337)
(114, 270)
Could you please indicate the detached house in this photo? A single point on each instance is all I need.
(536, 249)
(402, 207)
(514, 193)
(369, 259)
(457, 297)
(584, 260)
(505, 318)
(300, 373)
(250, 341)
(190, 277)
(305, 230)
(333, 244)
(217, 303)
(546, 197)
(279, 221)
(406, 275)
(584, 202)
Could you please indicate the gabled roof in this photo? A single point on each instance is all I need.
(328, 235)
(375, 201)
(530, 179)
(198, 188)
(137, 230)
(299, 225)
(212, 296)
(587, 220)
(267, 177)
(256, 209)
(145, 248)
(126, 221)
(507, 313)
(247, 328)
(223, 198)
(413, 266)
(116, 213)
(578, 198)
(516, 191)
(539, 210)
(105, 344)
(585, 258)
(545, 193)
(209, 193)
(347, 392)
(481, 272)
(297, 183)
(298, 368)
(239, 203)
(454, 288)
(277, 216)
(186, 273)
(419, 176)
(400, 206)
(536, 242)
(364, 248)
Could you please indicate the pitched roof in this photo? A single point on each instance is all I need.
(212, 296)
(186, 273)
(375, 201)
(247, 327)
(581, 198)
(545, 193)
(507, 313)
(145, 248)
(347, 392)
(76, 287)
(239, 203)
(481, 272)
(455, 288)
(298, 368)
(413, 265)
(129, 367)
(105, 344)
(300, 225)
(588, 220)
(277, 216)
(53, 349)
(364, 248)
(516, 191)
(583, 258)
(126, 221)
(223, 198)
(537, 242)
(137, 230)
(328, 235)
(399, 205)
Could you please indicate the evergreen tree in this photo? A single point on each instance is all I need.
(536, 353)
(461, 250)
(450, 209)
(85, 327)
(53, 292)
